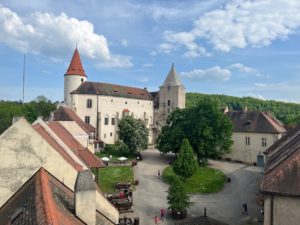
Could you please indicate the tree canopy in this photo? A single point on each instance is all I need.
(41, 106)
(208, 130)
(133, 132)
(287, 112)
(185, 165)
(178, 199)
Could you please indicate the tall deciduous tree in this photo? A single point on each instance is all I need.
(185, 164)
(133, 133)
(208, 130)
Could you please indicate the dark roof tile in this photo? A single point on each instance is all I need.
(93, 88)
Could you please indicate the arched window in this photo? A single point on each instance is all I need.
(106, 118)
(113, 120)
(89, 103)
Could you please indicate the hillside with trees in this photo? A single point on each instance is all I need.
(288, 113)
(40, 106)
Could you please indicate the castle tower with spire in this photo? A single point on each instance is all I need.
(171, 93)
(74, 76)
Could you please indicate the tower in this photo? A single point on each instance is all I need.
(74, 76)
(171, 94)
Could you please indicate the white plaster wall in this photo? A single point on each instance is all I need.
(77, 132)
(112, 106)
(285, 210)
(23, 151)
(248, 153)
(176, 94)
(71, 82)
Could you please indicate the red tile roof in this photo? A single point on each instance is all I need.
(57, 147)
(282, 170)
(41, 200)
(93, 88)
(75, 67)
(66, 114)
(84, 154)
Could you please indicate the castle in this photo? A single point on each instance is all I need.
(102, 105)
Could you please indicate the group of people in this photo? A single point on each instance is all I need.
(162, 215)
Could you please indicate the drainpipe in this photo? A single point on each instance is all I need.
(272, 209)
(97, 123)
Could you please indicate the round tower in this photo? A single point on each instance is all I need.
(74, 76)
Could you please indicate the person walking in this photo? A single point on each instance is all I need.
(162, 213)
(156, 220)
(158, 174)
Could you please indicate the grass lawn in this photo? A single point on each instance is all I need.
(205, 180)
(109, 176)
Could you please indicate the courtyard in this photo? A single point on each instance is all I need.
(226, 205)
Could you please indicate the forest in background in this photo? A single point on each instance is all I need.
(288, 113)
(41, 106)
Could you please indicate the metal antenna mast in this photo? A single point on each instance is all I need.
(23, 78)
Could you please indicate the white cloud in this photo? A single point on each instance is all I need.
(211, 74)
(250, 94)
(262, 85)
(45, 33)
(242, 68)
(143, 79)
(242, 23)
(116, 61)
(124, 43)
(147, 65)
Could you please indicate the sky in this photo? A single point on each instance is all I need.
(232, 47)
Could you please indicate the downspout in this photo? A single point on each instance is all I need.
(97, 124)
(272, 210)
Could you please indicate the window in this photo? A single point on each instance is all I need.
(126, 103)
(247, 140)
(87, 119)
(112, 100)
(89, 103)
(169, 103)
(81, 80)
(92, 135)
(264, 142)
(106, 120)
(104, 135)
(113, 120)
(168, 110)
(111, 134)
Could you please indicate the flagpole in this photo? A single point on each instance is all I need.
(23, 78)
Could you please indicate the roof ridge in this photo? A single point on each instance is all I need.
(271, 121)
(119, 85)
(47, 199)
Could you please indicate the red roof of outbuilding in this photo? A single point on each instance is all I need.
(75, 67)
(84, 154)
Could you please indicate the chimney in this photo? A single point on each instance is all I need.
(15, 119)
(226, 110)
(85, 197)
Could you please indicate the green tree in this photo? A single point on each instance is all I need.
(29, 112)
(208, 130)
(133, 133)
(185, 165)
(171, 136)
(204, 125)
(178, 199)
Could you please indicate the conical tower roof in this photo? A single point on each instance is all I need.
(75, 67)
(172, 78)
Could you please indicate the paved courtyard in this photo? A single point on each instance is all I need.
(226, 205)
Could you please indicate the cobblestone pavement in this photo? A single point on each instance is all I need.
(150, 195)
